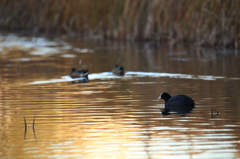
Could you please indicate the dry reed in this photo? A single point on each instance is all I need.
(208, 22)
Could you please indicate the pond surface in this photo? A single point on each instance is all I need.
(43, 114)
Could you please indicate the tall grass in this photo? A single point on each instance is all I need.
(207, 22)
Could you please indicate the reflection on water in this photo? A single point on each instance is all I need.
(118, 117)
(129, 75)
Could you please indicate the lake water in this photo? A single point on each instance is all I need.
(43, 114)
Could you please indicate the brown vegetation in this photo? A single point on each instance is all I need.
(208, 22)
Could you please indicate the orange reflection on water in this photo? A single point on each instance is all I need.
(118, 117)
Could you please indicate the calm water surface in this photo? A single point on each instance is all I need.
(44, 115)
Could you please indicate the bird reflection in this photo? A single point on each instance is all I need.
(81, 80)
(179, 104)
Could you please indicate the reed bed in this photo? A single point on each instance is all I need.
(207, 22)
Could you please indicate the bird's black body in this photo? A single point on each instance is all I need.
(180, 104)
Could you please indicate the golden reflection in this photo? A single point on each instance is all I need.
(115, 118)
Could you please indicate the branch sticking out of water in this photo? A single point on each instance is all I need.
(214, 113)
(33, 126)
(34, 120)
(25, 124)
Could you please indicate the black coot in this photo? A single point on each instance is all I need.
(180, 104)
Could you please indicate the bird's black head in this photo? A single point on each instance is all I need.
(165, 96)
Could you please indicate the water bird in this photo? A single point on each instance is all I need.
(79, 73)
(180, 104)
(118, 70)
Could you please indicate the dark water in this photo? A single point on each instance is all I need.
(116, 117)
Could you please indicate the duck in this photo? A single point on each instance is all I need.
(79, 73)
(118, 70)
(179, 104)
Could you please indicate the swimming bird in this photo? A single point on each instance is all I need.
(180, 104)
(118, 70)
(79, 73)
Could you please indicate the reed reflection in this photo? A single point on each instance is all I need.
(108, 117)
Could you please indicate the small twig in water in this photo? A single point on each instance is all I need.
(213, 110)
(25, 124)
(34, 119)
(34, 125)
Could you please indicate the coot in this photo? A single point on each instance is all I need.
(118, 70)
(180, 104)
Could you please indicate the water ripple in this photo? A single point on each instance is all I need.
(130, 75)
